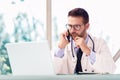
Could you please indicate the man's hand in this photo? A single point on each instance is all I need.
(63, 40)
(80, 43)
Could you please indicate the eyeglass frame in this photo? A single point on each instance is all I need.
(69, 26)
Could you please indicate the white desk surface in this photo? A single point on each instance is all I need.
(64, 77)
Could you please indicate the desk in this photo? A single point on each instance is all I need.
(64, 77)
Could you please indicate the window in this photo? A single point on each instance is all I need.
(20, 20)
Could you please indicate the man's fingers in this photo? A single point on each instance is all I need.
(76, 38)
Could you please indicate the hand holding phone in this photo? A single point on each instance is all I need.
(64, 39)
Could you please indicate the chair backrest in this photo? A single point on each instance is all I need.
(116, 56)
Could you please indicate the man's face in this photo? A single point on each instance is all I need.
(77, 27)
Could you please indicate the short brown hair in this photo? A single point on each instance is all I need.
(79, 12)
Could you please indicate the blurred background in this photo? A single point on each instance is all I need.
(39, 20)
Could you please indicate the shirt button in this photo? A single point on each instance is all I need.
(92, 70)
(85, 69)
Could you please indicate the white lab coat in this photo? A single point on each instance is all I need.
(104, 62)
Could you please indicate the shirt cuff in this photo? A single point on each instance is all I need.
(92, 57)
(59, 52)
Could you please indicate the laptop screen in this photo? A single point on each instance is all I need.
(30, 58)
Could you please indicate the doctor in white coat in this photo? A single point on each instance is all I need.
(95, 55)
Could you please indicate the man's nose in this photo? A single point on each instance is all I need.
(72, 29)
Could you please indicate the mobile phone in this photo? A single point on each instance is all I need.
(68, 37)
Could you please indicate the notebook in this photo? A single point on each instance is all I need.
(30, 58)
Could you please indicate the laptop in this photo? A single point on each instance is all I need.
(30, 58)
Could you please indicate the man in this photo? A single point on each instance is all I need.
(83, 52)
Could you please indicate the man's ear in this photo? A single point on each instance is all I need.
(87, 25)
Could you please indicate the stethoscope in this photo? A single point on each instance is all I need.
(93, 49)
(74, 58)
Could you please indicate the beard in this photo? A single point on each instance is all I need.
(74, 34)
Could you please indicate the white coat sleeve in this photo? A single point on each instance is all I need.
(60, 64)
(104, 61)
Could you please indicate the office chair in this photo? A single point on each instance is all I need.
(116, 56)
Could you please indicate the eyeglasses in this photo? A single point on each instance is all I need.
(76, 27)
